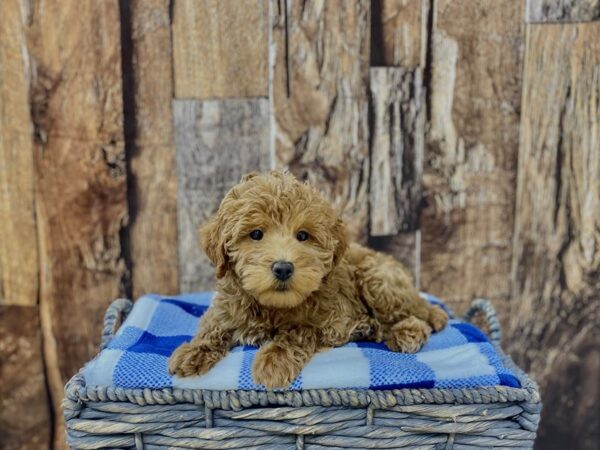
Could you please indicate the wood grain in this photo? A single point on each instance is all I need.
(397, 135)
(217, 142)
(397, 32)
(81, 203)
(25, 419)
(152, 181)
(319, 73)
(471, 151)
(563, 10)
(556, 262)
(220, 48)
(18, 241)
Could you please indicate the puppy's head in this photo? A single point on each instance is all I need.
(278, 236)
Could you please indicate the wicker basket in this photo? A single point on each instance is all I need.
(487, 417)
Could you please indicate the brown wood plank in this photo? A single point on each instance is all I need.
(397, 30)
(81, 205)
(152, 183)
(556, 261)
(471, 151)
(18, 241)
(397, 135)
(563, 10)
(220, 48)
(25, 419)
(217, 142)
(319, 100)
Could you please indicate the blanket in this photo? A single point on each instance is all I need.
(459, 356)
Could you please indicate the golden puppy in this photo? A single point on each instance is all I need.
(288, 281)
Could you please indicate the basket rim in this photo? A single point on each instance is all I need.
(77, 392)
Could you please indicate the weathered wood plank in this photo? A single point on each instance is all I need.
(220, 48)
(397, 31)
(25, 420)
(471, 150)
(217, 142)
(319, 72)
(18, 241)
(80, 171)
(152, 183)
(555, 316)
(563, 10)
(397, 134)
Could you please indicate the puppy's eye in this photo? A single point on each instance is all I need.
(256, 235)
(302, 235)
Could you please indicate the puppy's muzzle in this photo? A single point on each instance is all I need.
(282, 270)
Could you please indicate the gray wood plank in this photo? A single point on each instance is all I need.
(216, 142)
(397, 135)
(563, 10)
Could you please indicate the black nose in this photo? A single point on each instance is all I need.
(282, 270)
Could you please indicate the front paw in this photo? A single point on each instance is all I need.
(408, 335)
(273, 367)
(193, 359)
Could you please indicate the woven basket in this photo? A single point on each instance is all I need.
(487, 417)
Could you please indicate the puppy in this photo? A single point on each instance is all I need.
(289, 282)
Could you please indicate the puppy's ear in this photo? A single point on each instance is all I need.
(213, 243)
(341, 238)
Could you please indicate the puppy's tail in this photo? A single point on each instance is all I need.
(438, 318)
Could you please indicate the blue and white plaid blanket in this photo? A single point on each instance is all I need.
(459, 356)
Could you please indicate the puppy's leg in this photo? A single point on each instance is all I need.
(387, 288)
(208, 347)
(407, 335)
(438, 318)
(280, 361)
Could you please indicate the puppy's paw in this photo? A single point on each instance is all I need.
(189, 360)
(438, 318)
(408, 335)
(273, 367)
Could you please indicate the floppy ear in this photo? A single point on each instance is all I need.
(213, 243)
(341, 238)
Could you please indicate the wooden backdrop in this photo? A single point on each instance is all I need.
(461, 136)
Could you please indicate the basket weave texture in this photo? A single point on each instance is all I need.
(323, 419)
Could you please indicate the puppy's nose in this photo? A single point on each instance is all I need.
(282, 270)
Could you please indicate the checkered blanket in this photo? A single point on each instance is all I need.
(459, 356)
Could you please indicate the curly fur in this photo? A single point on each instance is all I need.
(338, 292)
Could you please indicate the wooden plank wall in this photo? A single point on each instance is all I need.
(221, 113)
(79, 156)
(461, 136)
(556, 257)
(472, 145)
(320, 128)
(399, 43)
(152, 179)
(20, 331)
